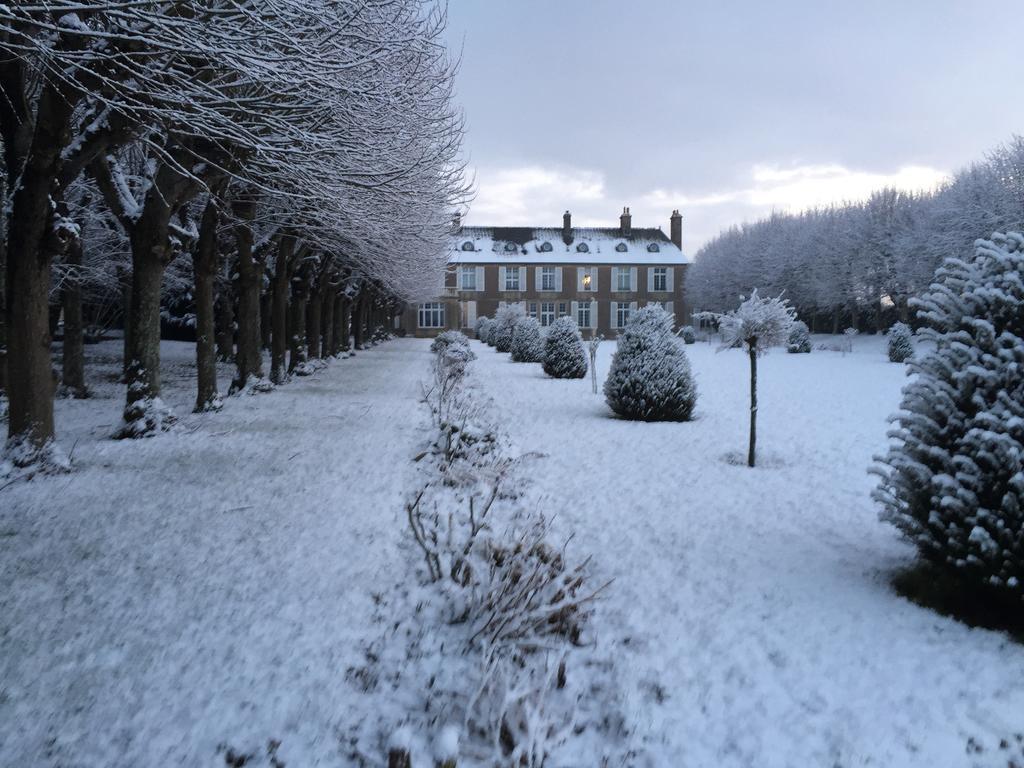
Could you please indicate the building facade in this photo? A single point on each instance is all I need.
(598, 276)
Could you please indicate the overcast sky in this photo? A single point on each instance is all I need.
(725, 109)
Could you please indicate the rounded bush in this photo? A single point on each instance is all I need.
(901, 344)
(688, 334)
(650, 377)
(799, 338)
(504, 324)
(446, 339)
(953, 479)
(564, 354)
(482, 323)
(527, 342)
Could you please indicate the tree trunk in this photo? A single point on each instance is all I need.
(225, 324)
(752, 351)
(358, 320)
(143, 370)
(342, 313)
(204, 267)
(266, 317)
(279, 334)
(327, 324)
(314, 317)
(30, 381)
(249, 355)
(73, 372)
(297, 321)
(126, 312)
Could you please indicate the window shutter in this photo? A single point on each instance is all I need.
(579, 279)
(575, 310)
(650, 279)
(593, 278)
(613, 311)
(671, 310)
(593, 314)
(632, 279)
(632, 308)
(538, 279)
(669, 274)
(558, 279)
(522, 278)
(480, 278)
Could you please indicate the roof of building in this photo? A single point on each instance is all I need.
(585, 245)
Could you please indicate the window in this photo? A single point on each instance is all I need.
(621, 313)
(547, 313)
(511, 278)
(431, 315)
(588, 282)
(621, 248)
(583, 248)
(583, 314)
(531, 309)
(653, 248)
(468, 278)
(545, 247)
(468, 246)
(661, 278)
(547, 278)
(622, 281)
(563, 309)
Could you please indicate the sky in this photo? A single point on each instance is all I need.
(725, 109)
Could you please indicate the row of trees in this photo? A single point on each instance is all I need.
(856, 265)
(274, 168)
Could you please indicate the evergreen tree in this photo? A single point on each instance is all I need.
(953, 480)
(799, 338)
(901, 346)
(527, 342)
(481, 327)
(650, 377)
(504, 324)
(564, 354)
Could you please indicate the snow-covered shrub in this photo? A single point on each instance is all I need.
(799, 338)
(527, 342)
(564, 355)
(505, 324)
(953, 480)
(445, 338)
(650, 377)
(145, 417)
(848, 336)
(901, 345)
(688, 335)
(380, 334)
(482, 323)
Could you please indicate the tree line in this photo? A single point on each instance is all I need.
(278, 175)
(857, 264)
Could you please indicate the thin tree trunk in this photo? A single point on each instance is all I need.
(249, 355)
(327, 323)
(314, 317)
(342, 313)
(143, 370)
(359, 320)
(752, 351)
(73, 357)
(225, 324)
(204, 267)
(279, 334)
(266, 316)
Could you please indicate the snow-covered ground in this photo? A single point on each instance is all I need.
(211, 588)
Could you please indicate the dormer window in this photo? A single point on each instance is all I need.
(621, 248)
(545, 247)
(653, 248)
(583, 248)
(510, 247)
(468, 246)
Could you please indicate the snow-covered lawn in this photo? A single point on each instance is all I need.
(211, 588)
(751, 608)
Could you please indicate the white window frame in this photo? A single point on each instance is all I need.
(583, 314)
(470, 284)
(563, 309)
(430, 315)
(660, 272)
(621, 313)
(531, 309)
(623, 272)
(545, 273)
(547, 313)
(512, 279)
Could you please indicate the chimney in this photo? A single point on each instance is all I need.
(456, 221)
(625, 223)
(676, 229)
(567, 228)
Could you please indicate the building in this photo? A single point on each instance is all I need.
(596, 275)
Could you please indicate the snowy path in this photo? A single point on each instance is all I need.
(208, 586)
(751, 611)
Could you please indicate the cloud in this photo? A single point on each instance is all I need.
(535, 196)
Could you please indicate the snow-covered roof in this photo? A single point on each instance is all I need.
(584, 245)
